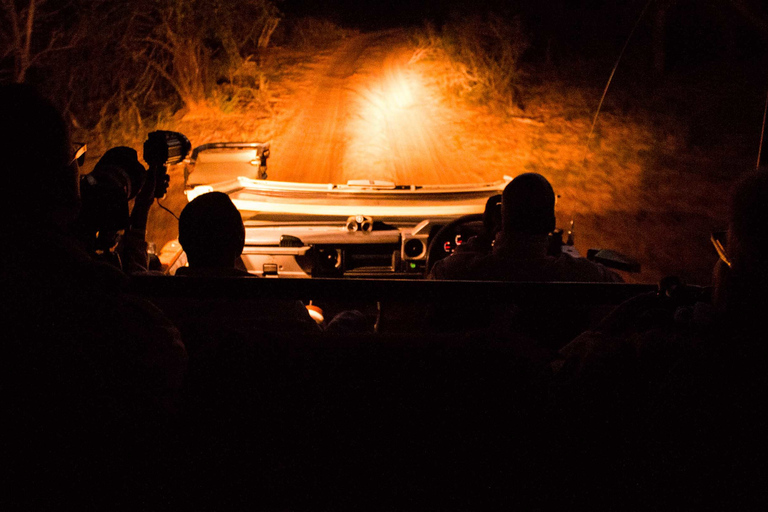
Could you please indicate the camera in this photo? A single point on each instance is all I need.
(116, 179)
(164, 148)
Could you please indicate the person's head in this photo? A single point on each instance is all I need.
(528, 205)
(744, 283)
(211, 231)
(40, 178)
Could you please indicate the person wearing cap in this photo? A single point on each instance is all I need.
(520, 250)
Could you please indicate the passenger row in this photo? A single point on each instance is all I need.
(115, 401)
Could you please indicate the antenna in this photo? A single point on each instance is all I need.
(610, 79)
(762, 133)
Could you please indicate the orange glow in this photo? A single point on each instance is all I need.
(382, 108)
(396, 132)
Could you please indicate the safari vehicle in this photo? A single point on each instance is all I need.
(366, 245)
(361, 229)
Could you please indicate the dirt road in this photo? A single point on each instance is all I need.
(370, 116)
(364, 111)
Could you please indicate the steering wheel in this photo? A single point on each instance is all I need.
(435, 252)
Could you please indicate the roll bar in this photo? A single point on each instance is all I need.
(262, 149)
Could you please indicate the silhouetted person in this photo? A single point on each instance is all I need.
(740, 284)
(110, 231)
(89, 374)
(483, 241)
(520, 250)
(708, 426)
(212, 234)
(672, 387)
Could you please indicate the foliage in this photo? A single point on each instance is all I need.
(32, 31)
(484, 52)
(115, 67)
(197, 43)
(310, 32)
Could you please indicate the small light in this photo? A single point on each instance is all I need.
(198, 191)
(315, 313)
(413, 265)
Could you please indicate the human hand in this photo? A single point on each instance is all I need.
(162, 181)
(144, 200)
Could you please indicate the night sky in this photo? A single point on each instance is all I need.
(696, 31)
(372, 14)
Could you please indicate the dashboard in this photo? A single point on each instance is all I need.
(358, 247)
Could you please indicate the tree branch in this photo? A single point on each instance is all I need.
(162, 72)
(161, 44)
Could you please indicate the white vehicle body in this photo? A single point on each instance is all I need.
(358, 229)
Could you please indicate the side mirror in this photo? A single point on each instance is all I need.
(613, 259)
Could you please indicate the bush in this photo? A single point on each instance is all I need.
(309, 32)
(485, 52)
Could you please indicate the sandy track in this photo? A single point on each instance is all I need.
(369, 116)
